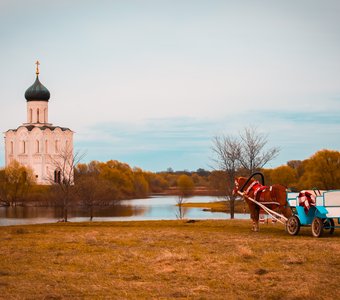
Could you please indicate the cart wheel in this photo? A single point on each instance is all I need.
(328, 225)
(317, 227)
(293, 225)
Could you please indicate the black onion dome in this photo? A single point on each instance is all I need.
(37, 92)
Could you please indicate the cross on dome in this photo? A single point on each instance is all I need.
(37, 69)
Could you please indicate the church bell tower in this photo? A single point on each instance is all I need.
(38, 144)
(37, 97)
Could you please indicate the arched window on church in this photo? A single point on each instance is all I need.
(37, 146)
(38, 115)
(45, 115)
(46, 146)
(31, 115)
(12, 148)
(23, 147)
(57, 176)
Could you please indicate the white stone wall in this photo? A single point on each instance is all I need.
(38, 149)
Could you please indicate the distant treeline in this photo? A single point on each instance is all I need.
(104, 183)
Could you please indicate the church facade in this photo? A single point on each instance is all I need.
(37, 144)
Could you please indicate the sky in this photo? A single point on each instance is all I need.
(150, 83)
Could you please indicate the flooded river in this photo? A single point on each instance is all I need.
(154, 208)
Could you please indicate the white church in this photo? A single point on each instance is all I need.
(38, 144)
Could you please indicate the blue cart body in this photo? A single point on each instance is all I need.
(327, 209)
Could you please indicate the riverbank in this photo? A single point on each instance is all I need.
(219, 206)
(197, 191)
(166, 260)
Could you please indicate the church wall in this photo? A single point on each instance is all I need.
(38, 149)
(37, 112)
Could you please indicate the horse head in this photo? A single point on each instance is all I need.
(239, 182)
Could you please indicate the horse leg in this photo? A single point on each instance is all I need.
(286, 211)
(254, 214)
(256, 227)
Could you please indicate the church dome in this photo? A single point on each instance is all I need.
(37, 92)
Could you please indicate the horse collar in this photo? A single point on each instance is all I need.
(251, 186)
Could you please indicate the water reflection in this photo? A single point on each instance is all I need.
(155, 208)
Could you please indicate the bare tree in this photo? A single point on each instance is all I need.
(92, 190)
(247, 152)
(181, 209)
(227, 158)
(254, 156)
(185, 186)
(63, 176)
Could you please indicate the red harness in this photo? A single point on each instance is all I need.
(257, 189)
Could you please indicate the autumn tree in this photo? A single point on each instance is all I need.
(124, 182)
(217, 182)
(284, 175)
(294, 164)
(185, 186)
(120, 175)
(140, 183)
(15, 182)
(157, 182)
(321, 171)
(3, 188)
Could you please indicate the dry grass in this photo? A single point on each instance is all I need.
(166, 260)
(216, 205)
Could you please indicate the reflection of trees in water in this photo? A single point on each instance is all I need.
(117, 210)
(181, 210)
(22, 212)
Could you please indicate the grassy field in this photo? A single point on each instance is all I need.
(166, 260)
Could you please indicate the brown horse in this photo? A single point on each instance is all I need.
(273, 197)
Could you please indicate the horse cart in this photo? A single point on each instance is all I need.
(320, 215)
(306, 208)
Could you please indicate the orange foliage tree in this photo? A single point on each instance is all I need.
(321, 171)
(284, 175)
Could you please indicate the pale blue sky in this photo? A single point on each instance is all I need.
(151, 82)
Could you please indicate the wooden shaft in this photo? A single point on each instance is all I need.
(274, 214)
